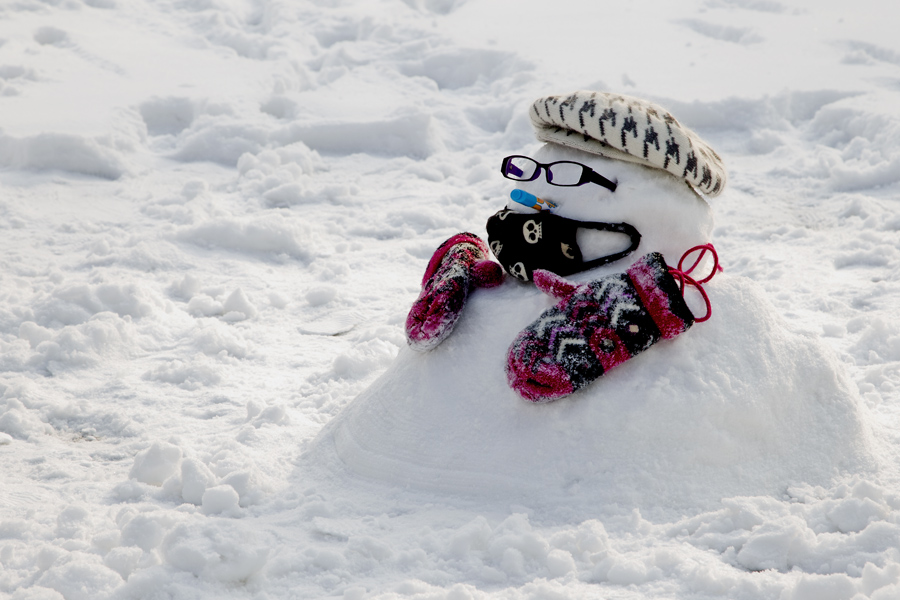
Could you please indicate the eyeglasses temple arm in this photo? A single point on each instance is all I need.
(595, 177)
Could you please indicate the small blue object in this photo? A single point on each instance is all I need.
(530, 200)
(523, 197)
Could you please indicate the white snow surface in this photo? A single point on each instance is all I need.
(216, 215)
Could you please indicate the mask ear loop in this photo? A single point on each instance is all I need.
(633, 235)
(684, 278)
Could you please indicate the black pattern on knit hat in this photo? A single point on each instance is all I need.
(629, 129)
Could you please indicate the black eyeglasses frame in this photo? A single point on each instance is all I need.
(588, 175)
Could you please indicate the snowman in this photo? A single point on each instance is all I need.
(562, 191)
(590, 348)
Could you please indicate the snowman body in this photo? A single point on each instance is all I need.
(737, 405)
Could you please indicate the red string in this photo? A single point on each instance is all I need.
(684, 278)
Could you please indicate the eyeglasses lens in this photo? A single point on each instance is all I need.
(564, 173)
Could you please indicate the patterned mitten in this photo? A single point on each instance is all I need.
(458, 265)
(600, 324)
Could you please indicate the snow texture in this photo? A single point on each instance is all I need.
(216, 215)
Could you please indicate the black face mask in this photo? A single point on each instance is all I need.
(523, 243)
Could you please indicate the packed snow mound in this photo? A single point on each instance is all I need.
(738, 405)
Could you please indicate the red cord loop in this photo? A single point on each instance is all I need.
(684, 275)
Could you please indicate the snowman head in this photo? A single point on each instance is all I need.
(643, 168)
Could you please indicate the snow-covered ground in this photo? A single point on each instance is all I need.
(215, 215)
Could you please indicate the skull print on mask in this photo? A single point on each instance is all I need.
(532, 231)
(518, 271)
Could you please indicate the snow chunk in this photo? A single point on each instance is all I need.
(81, 576)
(205, 306)
(248, 484)
(824, 587)
(168, 116)
(77, 303)
(473, 536)
(854, 514)
(363, 358)
(190, 376)
(777, 545)
(215, 337)
(236, 307)
(267, 162)
(18, 422)
(725, 33)
(34, 333)
(410, 135)
(187, 288)
(274, 415)
(156, 464)
(144, 531)
(294, 193)
(82, 345)
(239, 306)
(61, 152)
(627, 572)
(73, 523)
(51, 36)
(222, 143)
(279, 106)
(560, 563)
(196, 478)
(320, 295)
(464, 67)
(215, 551)
(269, 233)
(123, 560)
(219, 499)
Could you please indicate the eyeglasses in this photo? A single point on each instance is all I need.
(563, 173)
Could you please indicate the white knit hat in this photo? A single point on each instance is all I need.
(629, 129)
